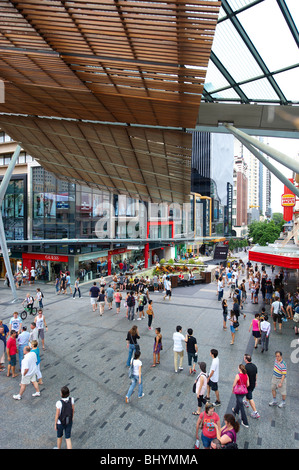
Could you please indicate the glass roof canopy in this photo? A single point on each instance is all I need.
(255, 53)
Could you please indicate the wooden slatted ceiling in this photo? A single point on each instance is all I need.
(118, 61)
(145, 163)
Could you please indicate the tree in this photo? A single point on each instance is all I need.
(264, 232)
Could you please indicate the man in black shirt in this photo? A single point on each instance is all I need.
(94, 294)
(252, 374)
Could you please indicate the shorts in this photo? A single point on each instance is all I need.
(13, 360)
(213, 385)
(191, 356)
(67, 428)
(206, 441)
(117, 304)
(274, 385)
(232, 328)
(168, 292)
(277, 317)
(249, 394)
(41, 333)
(93, 300)
(268, 296)
(27, 380)
(109, 299)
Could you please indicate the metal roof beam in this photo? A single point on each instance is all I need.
(253, 50)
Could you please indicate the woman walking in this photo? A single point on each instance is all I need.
(240, 387)
(102, 300)
(118, 298)
(224, 312)
(157, 347)
(136, 377)
(132, 345)
(256, 329)
(201, 387)
(233, 325)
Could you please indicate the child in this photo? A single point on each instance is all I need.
(150, 314)
(35, 349)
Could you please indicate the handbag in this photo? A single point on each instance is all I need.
(240, 389)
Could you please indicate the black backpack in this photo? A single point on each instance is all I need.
(66, 414)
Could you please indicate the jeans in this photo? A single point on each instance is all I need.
(21, 352)
(135, 380)
(131, 352)
(220, 295)
(240, 407)
(74, 294)
(131, 313)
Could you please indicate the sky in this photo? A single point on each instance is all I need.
(289, 147)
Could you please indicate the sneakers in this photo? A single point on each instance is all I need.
(17, 397)
(282, 404)
(36, 394)
(245, 403)
(141, 396)
(217, 403)
(245, 425)
(180, 368)
(273, 403)
(127, 400)
(255, 414)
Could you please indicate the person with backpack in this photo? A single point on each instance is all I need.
(64, 418)
(200, 387)
(277, 311)
(142, 301)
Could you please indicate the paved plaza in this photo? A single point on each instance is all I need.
(88, 353)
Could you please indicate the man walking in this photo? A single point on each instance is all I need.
(213, 377)
(178, 350)
(279, 380)
(28, 372)
(252, 374)
(94, 292)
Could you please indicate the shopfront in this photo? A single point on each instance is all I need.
(47, 266)
(90, 266)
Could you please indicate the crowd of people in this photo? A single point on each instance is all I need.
(237, 285)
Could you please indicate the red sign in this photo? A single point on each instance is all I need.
(288, 200)
(45, 257)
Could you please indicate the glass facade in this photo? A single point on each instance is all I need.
(14, 209)
(53, 211)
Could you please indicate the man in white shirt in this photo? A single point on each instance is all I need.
(167, 287)
(22, 341)
(213, 377)
(28, 372)
(265, 332)
(276, 312)
(178, 349)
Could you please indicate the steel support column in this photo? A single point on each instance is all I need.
(3, 189)
(270, 167)
(275, 154)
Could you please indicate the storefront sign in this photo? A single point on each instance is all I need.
(45, 257)
(288, 200)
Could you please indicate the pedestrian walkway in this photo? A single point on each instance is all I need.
(88, 353)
